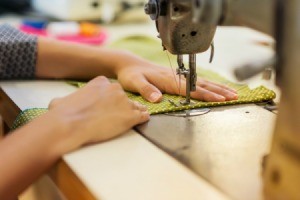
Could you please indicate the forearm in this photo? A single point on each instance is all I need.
(28, 153)
(58, 59)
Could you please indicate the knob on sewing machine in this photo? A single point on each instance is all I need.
(181, 34)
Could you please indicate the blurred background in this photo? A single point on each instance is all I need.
(71, 20)
(105, 11)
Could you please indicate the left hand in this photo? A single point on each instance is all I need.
(151, 80)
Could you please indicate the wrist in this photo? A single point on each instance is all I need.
(66, 131)
(125, 58)
(43, 138)
(56, 129)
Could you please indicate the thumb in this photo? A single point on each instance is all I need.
(148, 91)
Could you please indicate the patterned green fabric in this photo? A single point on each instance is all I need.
(151, 49)
(28, 115)
(246, 95)
(146, 47)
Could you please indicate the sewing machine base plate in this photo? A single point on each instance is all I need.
(225, 146)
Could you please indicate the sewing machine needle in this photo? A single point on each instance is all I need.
(180, 66)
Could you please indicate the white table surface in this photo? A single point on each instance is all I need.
(130, 167)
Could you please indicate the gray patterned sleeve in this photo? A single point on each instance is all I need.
(18, 54)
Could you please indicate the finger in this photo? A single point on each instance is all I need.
(147, 90)
(206, 95)
(141, 117)
(117, 87)
(220, 85)
(229, 95)
(138, 106)
(203, 94)
(98, 81)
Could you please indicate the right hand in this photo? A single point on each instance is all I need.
(97, 112)
(151, 80)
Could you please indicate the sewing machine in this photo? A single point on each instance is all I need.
(188, 27)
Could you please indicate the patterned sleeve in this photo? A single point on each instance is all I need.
(18, 54)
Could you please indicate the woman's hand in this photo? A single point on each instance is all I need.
(73, 61)
(97, 112)
(151, 80)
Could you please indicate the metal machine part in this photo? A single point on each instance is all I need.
(235, 12)
(217, 145)
(190, 113)
(181, 37)
(188, 27)
(190, 76)
(253, 68)
(178, 33)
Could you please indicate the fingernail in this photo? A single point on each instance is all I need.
(234, 96)
(220, 98)
(154, 97)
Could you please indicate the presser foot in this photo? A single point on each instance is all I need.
(186, 102)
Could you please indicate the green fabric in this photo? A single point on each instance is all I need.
(146, 47)
(151, 49)
(257, 95)
(28, 115)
